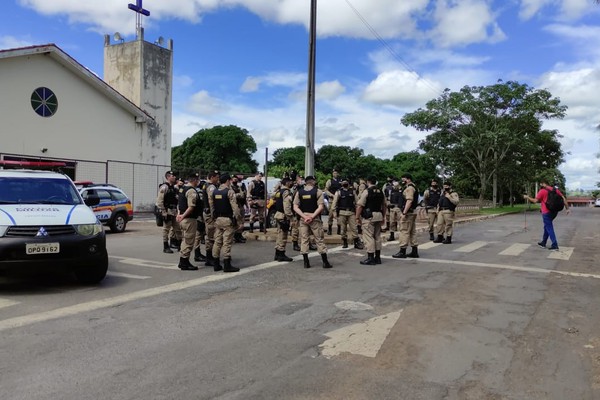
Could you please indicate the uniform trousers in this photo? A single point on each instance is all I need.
(371, 234)
(347, 221)
(171, 228)
(408, 231)
(283, 229)
(188, 229)
(257, 211)
(445, 222)
(314, 229)
(432, 216)
(209, 223)
(224, 230)
(395, 214)
(199, 234)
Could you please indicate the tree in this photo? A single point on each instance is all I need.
(226, 148)
(343, 158)
(420, 166)
(480, 128)
(290, 158)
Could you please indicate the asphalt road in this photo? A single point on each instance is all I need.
(491, 316)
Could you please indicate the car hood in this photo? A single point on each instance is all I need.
(45, 214)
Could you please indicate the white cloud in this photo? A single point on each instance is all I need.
(204, 104)
(402, 89)
(281, 79)
(329, 90)
(11, 42)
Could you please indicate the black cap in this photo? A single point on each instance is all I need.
(194, 177)
(169, 173)
(310, 178)
(345, 180)
(224, 178)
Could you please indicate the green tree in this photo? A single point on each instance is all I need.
(344, 158)
(479, 128)
(420, 166)
(226, 148)
(290, 158)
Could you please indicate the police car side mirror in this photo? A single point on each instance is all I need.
(91, 201)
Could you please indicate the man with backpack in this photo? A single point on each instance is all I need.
(552, 201)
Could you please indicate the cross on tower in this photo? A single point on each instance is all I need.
(139, 9)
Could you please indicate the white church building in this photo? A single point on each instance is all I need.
(56, 112)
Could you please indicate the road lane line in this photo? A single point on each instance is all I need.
(128, 276)
(471, 247)
(515, 249)
(7, 303)
(145, 263)
(563, 253)
(429, 245)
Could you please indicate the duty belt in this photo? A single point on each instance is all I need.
(347, 208)
(223, 215)
(445, 208)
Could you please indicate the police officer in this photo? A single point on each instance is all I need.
(283, 214)
(226, 213)
(408, 226)
(212, 180)
(446, 208)
(256, 201)
(187, 217)
(370, 209)
(394, 208)
(431, 198)
(344, 207)
(240, 196)
(308, 204)
(167, 205)
(200, 227)
(331, 187)
(387, 189)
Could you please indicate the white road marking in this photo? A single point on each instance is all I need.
(129, 276)
(7, 303)
(563, 253)
(364, 338)
(146, 263)
(429, 245)
(353, 305)
(471, 247)
(515, 249)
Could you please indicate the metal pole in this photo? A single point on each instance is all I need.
(309, 158)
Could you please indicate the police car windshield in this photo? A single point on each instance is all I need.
(15, 190)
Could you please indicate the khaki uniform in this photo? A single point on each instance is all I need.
(371, 226)
(432, 213)
(257, 205)
(171, 228)
(408, 226)
(284, 220)
(315, 227)
(445, 220)
(240, 197)
(189, 225)
(346, 218)
(209, 221)
(330, 195)
(225, 227)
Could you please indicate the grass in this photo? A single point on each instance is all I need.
(517, 208)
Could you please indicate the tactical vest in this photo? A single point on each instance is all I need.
(335, 185)
(396, 197)
(279, 199)
(346, 200)
(237, 190)
(308, 200)
(387, 190)
(434, 197)
(258, 190)
(415, 199)
(446, 204)
(221, 203)
(183, 205)
(170, 196)
(374, 199)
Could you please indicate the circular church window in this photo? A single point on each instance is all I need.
(44, 102)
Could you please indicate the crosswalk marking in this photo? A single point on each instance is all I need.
(564, 253)
(429, 245)
(7, 303)
(515, 249)
(129, 276)
(471, 247)
(145, 263)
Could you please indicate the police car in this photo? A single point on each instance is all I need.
(114, 209)
(45, 224)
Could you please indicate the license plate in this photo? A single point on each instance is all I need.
(42, 248)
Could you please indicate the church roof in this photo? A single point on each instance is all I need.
(72, 65)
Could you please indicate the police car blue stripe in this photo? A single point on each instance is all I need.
(9, 216)
(69, 215)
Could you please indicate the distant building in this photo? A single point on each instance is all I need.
(117, 130)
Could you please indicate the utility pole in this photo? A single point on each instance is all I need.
(309, 157)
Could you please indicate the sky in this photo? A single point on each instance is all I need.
(245, 62)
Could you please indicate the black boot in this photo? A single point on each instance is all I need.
(401, 253)
(312, 246)
(216, 263)
(296, 246)
(210, 261)
(198, 256)
(431, 237)
(261, 226)
(251, 227)
(377, 256)
(358, 244)
(344, 243)
(369, 261)
(306, 261)
(227, 267)
(238, 238)
(414, 253)
(325, 261)
(173, 244)
(440, 239)
(339, 230)
(448, 240)
(186, 265)
(277, 255)
(330, 230)
(283, 257)
(392, 237)
(166, 248)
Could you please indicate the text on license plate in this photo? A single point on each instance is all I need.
(42, 248)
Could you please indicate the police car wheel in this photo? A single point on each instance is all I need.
(271, 221)
(92, 274)
(119, 223)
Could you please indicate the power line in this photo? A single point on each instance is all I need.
(391, 50)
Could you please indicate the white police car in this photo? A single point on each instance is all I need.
(45, 224)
